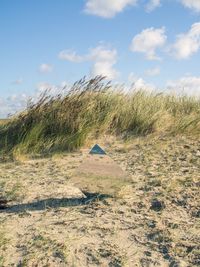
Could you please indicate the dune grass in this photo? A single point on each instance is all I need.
(3, 121)
(94, 107)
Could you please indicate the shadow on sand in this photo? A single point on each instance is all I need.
(55, 203)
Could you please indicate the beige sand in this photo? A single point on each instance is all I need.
(49, 223)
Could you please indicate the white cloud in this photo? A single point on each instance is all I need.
(103, 59)
(64, 84)
(70, 55)
(153, 72)
(18, 81)
(148, 41)
(187, 43)
(138, 83)
(189, 85)
(192, 4)
(43, 86)
(45, 68)
(152, 4)
(51, 89)
(12, 104)
(107, 8)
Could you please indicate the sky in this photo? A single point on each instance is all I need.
(153, 44)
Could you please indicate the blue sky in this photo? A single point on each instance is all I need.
(147, 43)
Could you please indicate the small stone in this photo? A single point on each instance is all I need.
(173, 264)
(157, 205)
(151, 224)
(3, 203)
(196, 214)
(147, 253)
(198, 153)
(185, 170)
(183, 158)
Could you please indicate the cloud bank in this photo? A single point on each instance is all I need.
(107, 8)
(103, 60)
(192, 4)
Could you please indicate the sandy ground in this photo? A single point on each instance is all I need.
(153, 221)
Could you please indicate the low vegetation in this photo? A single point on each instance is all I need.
(151, 221)
(91, 108)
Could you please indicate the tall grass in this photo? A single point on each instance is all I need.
(92, 107)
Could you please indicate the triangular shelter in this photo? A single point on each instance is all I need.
(97, 150)
(99, 173)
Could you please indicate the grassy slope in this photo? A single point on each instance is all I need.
(64, 123)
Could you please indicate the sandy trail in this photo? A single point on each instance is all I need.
(153, 222)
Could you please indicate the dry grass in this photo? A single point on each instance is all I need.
(3, 121)
(92, 108)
